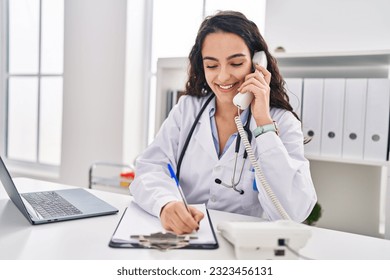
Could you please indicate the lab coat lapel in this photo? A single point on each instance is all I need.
(203, 135)
(230, 155)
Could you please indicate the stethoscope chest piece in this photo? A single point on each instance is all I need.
(233, 185)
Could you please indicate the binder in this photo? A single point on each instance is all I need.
(377, 120)
(172, 99)
(354, 118)
(332, 117)
(294, 91)
(135, 222)
(312, 114)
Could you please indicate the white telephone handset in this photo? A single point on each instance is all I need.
(243, 100)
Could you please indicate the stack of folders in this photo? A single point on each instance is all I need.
(346, 118)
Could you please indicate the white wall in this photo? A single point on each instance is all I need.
(2, 70)
(328, 26)
(94, 69)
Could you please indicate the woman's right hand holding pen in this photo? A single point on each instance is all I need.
(175, 217)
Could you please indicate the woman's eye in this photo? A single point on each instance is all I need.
(237, 64)
(211, 66)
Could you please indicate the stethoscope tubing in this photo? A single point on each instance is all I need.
(189, 136)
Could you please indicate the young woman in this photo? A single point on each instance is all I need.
(208, 169)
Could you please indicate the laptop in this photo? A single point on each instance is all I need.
(56, 205)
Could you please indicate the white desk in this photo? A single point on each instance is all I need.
(88, 238)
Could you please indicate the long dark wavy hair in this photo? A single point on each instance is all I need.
(237, 23)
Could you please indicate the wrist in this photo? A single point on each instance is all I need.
(270, 127)
(166, 206)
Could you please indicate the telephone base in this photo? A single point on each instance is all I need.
(266, 240)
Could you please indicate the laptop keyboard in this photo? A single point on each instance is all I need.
(50, 204)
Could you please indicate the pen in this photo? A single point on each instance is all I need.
(173, 175)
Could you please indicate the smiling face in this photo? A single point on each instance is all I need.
(226, 62)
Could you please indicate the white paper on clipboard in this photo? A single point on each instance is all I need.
(136, 221)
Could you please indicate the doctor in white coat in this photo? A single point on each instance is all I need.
(220, 67)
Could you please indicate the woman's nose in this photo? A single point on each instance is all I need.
(223, 74)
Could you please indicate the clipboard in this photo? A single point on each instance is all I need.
(137, 227)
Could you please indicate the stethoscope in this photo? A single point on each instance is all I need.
(233, 185)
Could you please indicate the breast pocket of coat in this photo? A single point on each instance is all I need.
(249, 199)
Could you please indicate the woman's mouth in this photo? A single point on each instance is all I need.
(226, 87)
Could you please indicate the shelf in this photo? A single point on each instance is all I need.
(349, 161)
(111, 182)
(351, 59)
(370, 64)
(111, 175)
(172, 63)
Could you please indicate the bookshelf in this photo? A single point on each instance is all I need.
(171, 76)
(354, 194)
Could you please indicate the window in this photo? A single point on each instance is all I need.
(175, 25)
(33, 81)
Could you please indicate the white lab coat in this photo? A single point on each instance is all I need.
(280, 157)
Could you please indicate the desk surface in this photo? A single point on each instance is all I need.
(89, 238)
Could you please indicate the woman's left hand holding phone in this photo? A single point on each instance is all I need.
(175, 217)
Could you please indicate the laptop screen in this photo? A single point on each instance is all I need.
(10, 188)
